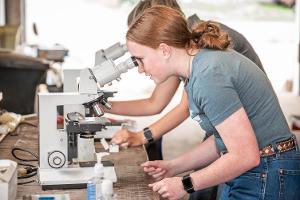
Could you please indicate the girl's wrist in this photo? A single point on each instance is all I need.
(142, 138)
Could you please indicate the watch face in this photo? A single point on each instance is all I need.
(187, 184)
(148, 135)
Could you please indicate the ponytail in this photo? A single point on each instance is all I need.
(162, 24)
(209, 35)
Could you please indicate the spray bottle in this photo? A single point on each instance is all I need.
(94, 190)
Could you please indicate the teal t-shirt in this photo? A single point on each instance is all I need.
(221, 82)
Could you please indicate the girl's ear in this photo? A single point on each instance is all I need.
(165, 49)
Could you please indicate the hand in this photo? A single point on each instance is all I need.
(126, 138)
(169, 188)
(158, 169)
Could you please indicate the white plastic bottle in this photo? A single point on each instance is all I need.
(94, 190)
(107, 190)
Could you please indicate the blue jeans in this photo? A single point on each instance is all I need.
(276, 178)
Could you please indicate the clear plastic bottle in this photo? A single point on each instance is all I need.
(94, 190)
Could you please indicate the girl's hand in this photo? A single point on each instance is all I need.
(158, 169)
(169, 188)
(126, 138)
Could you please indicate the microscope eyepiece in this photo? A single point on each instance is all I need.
(134, 60)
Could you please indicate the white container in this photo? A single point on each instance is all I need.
(8, 180)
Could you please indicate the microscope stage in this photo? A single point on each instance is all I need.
(68, 178)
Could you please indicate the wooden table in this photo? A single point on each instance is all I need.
(132, 182)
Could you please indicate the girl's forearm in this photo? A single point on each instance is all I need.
(200, 157)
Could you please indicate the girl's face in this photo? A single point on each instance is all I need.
(152, 62)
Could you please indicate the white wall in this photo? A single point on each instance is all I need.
(2, 12)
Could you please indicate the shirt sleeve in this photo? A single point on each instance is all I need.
(215, 94)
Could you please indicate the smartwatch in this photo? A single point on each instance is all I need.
(148, 135)
(187, 184)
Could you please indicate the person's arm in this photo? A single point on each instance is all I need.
(172, 119)
(243, 154)
(161, 96)
(207, 152)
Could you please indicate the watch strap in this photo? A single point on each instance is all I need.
(148, 135)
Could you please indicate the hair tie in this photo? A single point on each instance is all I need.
(196, 40)
(196, 36)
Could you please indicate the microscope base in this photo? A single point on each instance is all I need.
(71, 178)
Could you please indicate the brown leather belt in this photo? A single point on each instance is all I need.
(283, 146)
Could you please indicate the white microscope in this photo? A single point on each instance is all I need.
(67, 154)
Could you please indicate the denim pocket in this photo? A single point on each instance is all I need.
(254, 174)
(289, 184)
(289, 155)
(250, 184)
